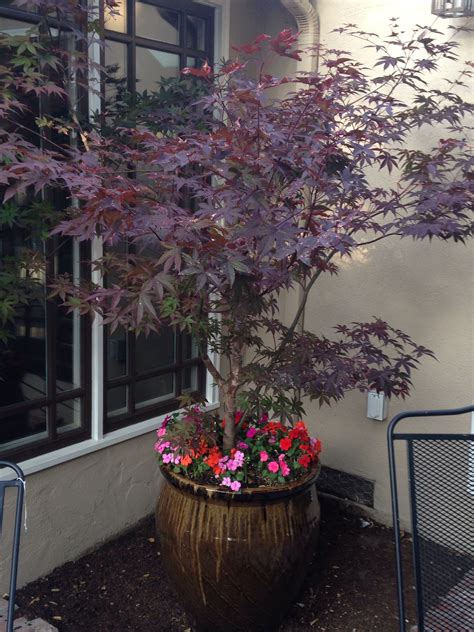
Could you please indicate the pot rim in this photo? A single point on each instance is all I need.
(246, 494)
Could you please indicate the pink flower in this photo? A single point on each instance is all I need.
(251, 432)
(239, 458)
(235, 486)
(242, 446)
(226, 481)
(263, 456)
(273, 467)
(161, 432)
(285, 470)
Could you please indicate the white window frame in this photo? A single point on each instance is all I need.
(99, 439)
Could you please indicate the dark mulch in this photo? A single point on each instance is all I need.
(122, 585)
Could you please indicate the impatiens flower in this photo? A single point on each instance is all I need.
(213, 459)
(239, 457)
(274, 426)
(304, 460)
(316, 445)
(232, 465)
(286, 453)
(285, 443)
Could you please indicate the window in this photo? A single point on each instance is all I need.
(46, 397)
(44, 382)
(148, 41)
(157, 38)
(144, 375)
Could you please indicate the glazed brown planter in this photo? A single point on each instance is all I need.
(237, 560)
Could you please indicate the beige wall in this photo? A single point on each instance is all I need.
(425, 289)
(73, 507)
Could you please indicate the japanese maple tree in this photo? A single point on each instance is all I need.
(251, 195)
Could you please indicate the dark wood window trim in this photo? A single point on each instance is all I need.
(132, 40)
(184, 8)
(53, 397)
(54, 440)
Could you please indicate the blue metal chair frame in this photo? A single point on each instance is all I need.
(19, 483)
(410, 437)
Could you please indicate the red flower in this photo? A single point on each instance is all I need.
(273, 427)
(237, 418)
(304, 460)
(285, 443)
(317, 446)
(299, 431)
(214, 455)
(186, 460)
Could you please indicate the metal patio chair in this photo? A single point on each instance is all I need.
(441, 497)
(19, 483)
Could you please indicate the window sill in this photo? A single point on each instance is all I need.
(45, 461)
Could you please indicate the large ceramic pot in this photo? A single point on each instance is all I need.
(237, 560)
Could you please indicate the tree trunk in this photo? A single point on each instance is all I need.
(229, 391)
(229, 416)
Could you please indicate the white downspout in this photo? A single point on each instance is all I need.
(307, 21)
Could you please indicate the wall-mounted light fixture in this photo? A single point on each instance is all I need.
(452, 8)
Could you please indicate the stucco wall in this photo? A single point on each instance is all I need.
(425, 289)
(73, 507)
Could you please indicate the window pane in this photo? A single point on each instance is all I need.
(13, 27)
(116, 353)
(68, 332)
(156, 23)
(189, 379)
(22, 428)
(68, 415)
(117, 67)
(117, 400)
(23, 366)
(190, 348)
(195, 32)
(23, 359)
(154, 390)
(116, 19)
(152, 65)
(155, 351)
